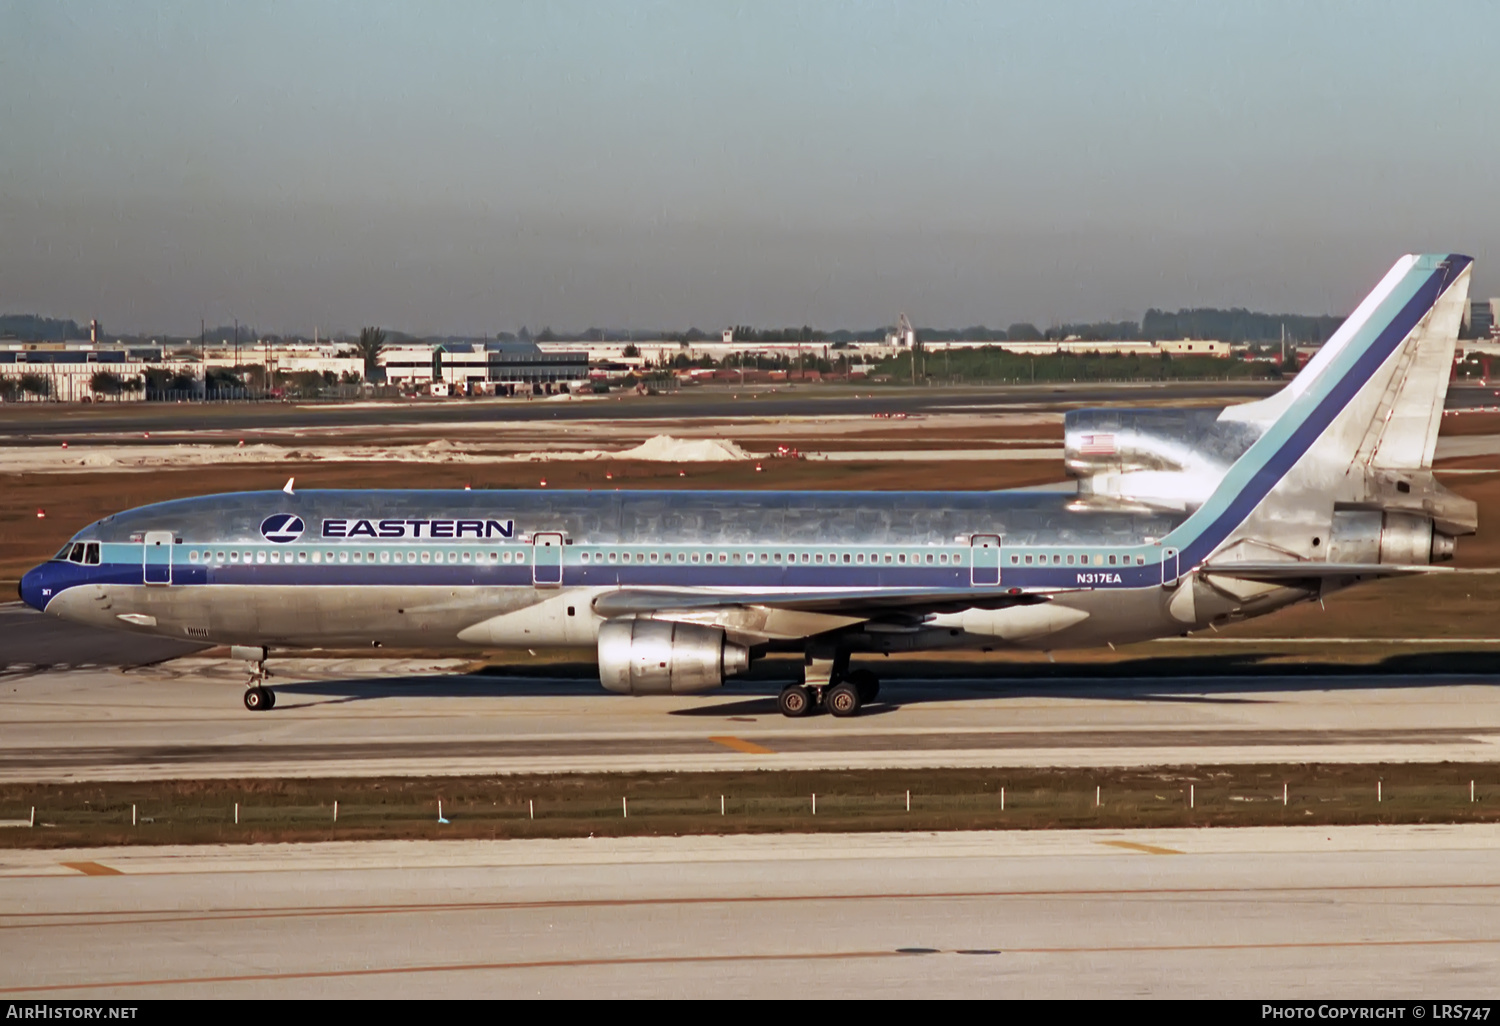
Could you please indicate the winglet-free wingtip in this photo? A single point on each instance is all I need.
(288, 486)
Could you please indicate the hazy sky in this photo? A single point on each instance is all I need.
(472, 167)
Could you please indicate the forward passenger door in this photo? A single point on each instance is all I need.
(156, 557)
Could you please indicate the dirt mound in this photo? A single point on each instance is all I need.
(667, 449)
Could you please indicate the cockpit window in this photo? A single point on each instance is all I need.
(82, 553)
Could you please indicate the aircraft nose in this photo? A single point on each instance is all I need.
(33, 586)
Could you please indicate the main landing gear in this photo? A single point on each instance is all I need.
(829, 685)
(258, 697)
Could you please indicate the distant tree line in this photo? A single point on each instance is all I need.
(31, 328)
(992, 364)
(1232, 325)
(1236, 325)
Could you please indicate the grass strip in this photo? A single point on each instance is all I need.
(654, 804)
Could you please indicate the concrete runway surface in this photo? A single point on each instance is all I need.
(1285, 912)
(375, 717)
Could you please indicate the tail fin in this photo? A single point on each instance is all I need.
(1371, 400)
(1404, 435)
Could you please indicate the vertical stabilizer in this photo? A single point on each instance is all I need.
(1372, 399)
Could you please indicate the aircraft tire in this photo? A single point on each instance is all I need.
(258, 699)
(795, 700)
(866, 683)
(842, 699)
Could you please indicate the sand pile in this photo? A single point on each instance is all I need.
(667, 449)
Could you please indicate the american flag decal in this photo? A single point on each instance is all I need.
(1098, 445)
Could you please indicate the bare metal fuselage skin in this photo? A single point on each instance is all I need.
(365, 569)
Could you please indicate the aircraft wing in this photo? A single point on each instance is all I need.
(1293, 570)
(863, 604)
(781, 615)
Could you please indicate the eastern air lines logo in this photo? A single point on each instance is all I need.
(282, 528)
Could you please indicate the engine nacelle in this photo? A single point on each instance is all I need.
(1372, 536)
(638, 656)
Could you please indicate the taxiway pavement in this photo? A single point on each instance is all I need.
(366, 717)
(1385, 912)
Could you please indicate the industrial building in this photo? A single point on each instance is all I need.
(1482, 319)
(485, 368)
(66, 371)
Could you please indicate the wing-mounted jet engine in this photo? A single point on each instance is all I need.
(641, 656)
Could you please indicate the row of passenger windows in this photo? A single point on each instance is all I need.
(354, 556)
(896, 558)
(1084, 559)
(81, 552)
